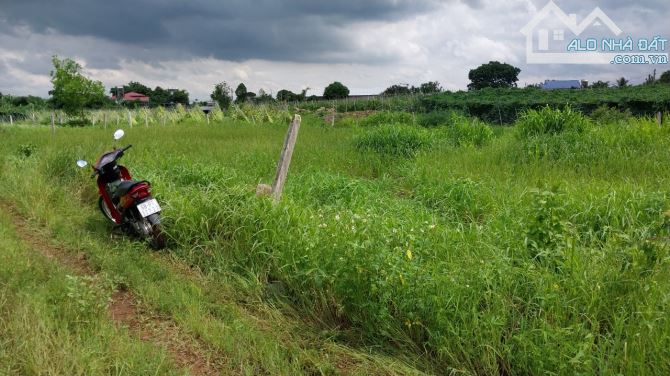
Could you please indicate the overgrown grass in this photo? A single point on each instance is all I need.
(548, 121)
(55, 322)
(395, 140)
(474, 260)
(387, 118)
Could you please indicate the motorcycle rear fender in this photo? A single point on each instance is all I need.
(138, 192)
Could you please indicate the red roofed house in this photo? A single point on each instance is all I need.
(133, 97)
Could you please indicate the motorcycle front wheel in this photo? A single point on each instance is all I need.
(105, 210)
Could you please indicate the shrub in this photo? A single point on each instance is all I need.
(435, 119)
(461, 130)
(610, 115)
(395, 140)
(78, 122)
(548, 121)
(384, 118)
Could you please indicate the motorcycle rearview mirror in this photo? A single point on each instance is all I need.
(82, 163)
(119, 134)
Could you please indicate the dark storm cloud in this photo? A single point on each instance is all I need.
(293, 30)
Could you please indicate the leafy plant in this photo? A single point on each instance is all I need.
(546, 237)
(90, 295)
(26, 150)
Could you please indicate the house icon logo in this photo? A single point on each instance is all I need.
(547, 33)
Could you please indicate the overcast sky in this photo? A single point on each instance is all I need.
(293, 44)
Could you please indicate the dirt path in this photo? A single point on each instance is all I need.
(186, 351)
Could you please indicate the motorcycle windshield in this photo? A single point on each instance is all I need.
(107, 159)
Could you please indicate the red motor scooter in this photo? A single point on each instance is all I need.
(127, 203)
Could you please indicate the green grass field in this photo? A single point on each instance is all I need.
(397, 249)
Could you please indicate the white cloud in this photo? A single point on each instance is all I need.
(441, 45)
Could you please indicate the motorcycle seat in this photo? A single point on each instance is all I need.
(126, 186)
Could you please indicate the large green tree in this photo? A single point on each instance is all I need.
(622, 83)
(137, 87)
(284, 95)
(179, 96)
(493, 74)
(665, 77)
(263, 97)
(289, 96)
(430, 87)
(241, 93)
(336, 91)
(398, 89)
(222, 95)
(72, 91)
(600, 84)
(159, 96)
(134, 86)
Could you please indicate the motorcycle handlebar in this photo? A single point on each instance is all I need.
(96, 172)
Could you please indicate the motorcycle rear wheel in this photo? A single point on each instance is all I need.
(158, 240)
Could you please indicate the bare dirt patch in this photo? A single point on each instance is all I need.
(124, 309)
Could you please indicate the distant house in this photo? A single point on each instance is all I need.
(133, 97)
(561, 84)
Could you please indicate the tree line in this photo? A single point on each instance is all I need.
(223, 94)
(501, 75)
(73, 92)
